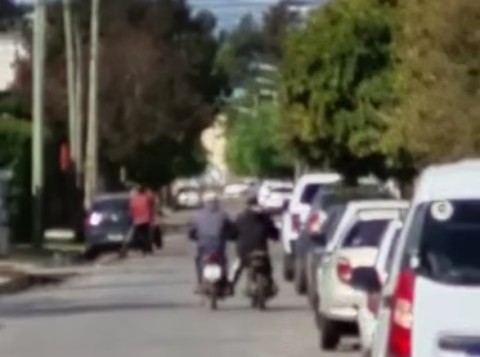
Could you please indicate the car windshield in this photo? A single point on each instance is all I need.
(366, 233)
(447, 239)
(339, 196)
(111, 205)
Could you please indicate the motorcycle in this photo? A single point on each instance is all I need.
(259, 287)
(213, 279)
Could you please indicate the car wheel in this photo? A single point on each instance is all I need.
(288, 267)
(300, 280)
(329, 334)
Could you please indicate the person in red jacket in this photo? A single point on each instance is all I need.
(142, 212)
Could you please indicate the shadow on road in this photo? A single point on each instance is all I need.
(66, 311)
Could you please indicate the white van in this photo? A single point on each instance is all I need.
(430, 303)
(294, 217)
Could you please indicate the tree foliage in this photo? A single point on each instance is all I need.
(252, 149)
(438, 44)
(337, 80)
(158, 85)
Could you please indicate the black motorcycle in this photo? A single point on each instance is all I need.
(260, 288)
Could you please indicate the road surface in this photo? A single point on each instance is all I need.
(145, 307)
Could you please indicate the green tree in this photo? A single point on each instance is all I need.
(337, 86)
(158, 89)
(252, 148)
(439, 78)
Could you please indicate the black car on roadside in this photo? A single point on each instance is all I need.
(108, 222)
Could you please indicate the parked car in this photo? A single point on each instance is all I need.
(355, 243)
(272, 193)
(368, 307)
(308, 243)
(235, 190)
(108, 222)
(295, 215)
(188, 197)
(429, 304)
(274, 201)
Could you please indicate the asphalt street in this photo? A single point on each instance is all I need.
(146, 307)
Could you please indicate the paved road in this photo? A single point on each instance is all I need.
(145, 307)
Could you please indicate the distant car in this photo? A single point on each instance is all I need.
(275, 200)
(294, 217)
(188, 197)
(271, 193)
(108, 222)
(235, 190)
(368, 307)
(355, 243)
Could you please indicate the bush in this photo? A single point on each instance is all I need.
(15, 154)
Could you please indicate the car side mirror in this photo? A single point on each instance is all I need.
(366, 279)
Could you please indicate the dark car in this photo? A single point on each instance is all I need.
(309, 240)
(108, 222)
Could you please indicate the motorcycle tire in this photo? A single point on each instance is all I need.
(262, 286)
(214, 299)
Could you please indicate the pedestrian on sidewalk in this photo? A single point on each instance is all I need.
(142, 213)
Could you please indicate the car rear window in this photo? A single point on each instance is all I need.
(366, 234)
(309, 192)
(447, 238)
(111, 205)
(282, 189)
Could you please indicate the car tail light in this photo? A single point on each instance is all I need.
(344, 270)
(296, 226)
(95, 219)
(314, 222)
(402, 315)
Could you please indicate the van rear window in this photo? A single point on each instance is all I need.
(448, 241)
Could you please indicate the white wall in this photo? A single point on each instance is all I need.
(10, 50)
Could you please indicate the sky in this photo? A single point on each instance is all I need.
(228, 12)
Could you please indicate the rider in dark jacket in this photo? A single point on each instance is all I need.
(253, 230)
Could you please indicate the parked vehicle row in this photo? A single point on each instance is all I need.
(403, 276)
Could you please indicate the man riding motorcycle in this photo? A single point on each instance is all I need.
(253, 230)
(211, 228)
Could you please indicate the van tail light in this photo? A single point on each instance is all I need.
(314, 222)
(402, 316)
(344, 270)
(296, 222)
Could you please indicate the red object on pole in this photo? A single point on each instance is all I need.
(65, 157)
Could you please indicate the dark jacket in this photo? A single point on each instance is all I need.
(211, 228)
(253, 230)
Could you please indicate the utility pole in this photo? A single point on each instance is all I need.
(92, 136)
(38, 123)
(79, 103)
(72, 119)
